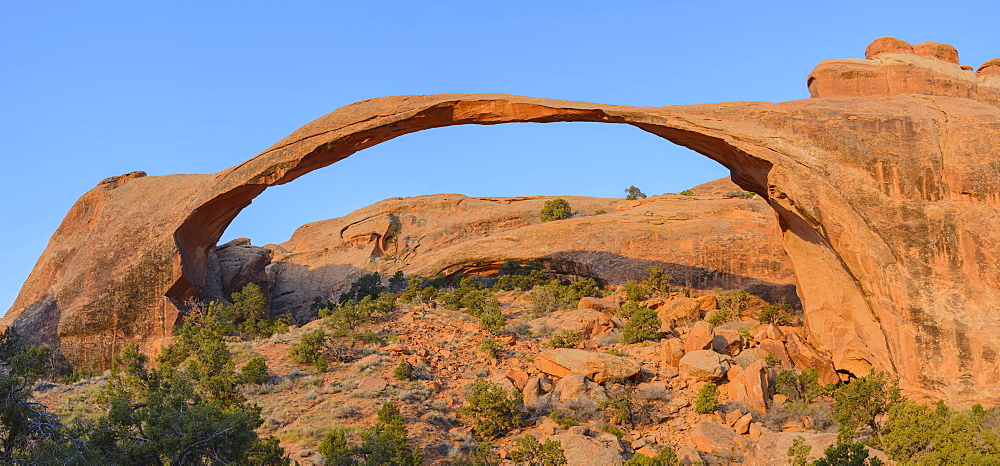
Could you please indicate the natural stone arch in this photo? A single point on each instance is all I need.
(841, 174)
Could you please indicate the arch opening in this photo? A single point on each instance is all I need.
(762, 268)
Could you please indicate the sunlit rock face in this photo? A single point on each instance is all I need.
(883, 184)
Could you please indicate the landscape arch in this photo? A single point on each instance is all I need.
(883, 185)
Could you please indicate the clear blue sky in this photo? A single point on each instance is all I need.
(95, 89)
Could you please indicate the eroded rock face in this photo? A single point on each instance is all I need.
(707, 241)
(884, 185)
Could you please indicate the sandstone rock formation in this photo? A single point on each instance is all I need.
(884, 185)
(706, 241)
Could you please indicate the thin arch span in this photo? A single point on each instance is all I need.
(743, 147)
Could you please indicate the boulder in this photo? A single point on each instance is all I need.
(372, 384)
(701, 336)
(742, 425)
(599, 367)
(750, 387)
(777, 349)
(575, 386)
(671, 351)
(589, 322)
(703, 366)
(606, 306)
(714, 438)
(749, 356)
(772, 448)
(806, 357)
(679, 310)
(727, 341)
(581, 450)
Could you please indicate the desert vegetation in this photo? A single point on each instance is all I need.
(375, 378)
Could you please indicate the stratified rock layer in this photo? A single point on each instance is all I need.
(884, 185)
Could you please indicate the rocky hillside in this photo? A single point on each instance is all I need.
(703, 240)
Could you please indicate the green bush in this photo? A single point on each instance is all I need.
(411, 294)
(719, 317)
(351, 315)
(777, 314)
(255, 371)
(665, 457)
(562, 420)
(566, 338)
(656, 280)
(847, 454)
(686, 192)
(368, 285)
(482, 455)
(403, 371)
(708, 399)
(385, 443)
(642, 324)
(626, 410)
(491, 410)
(513, 275)
(600, 212)
(633, 193)
(635, 291)
(735, 301)
(923, 435)
(739, 195)
(859, 402)
(492, 319)
(530, 451)
(490, 347)
(798, 452)
(555, 209)
(309, 350)
(554, 296)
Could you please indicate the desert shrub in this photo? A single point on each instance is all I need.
(818, 413)
(803, 386)
(798, 452)
(411, 294)
(31, 363)
(350, 315)
(514, 275)
(385, 443)
(707, 400)
(566, 338)
(403, 371)
(562, 420)
(772, 361)
(309, 350)
(859, 402)
(739, 195)
(735, 301)
(642, 324)
(543, 300)
(368, 285)
(482, 455)
(492, 319)
(491, 410)
(555, 209)
(626, 409)
(844, 453)
(777, 314)
(490, 347)
(613, 430)
(719, 317)
(686, 192)
(611, 337)
(255, 371)
(528, 450)
(78, 374)
(665, 457)
(635, 291)
(397, 281)
(923, 435)
(456, 298)
(656, 280)
(600, 212)
(632, 193)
